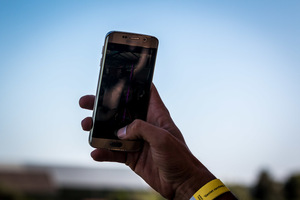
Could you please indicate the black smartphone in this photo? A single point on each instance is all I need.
(123, 92)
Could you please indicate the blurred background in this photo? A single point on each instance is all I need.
(228, 71)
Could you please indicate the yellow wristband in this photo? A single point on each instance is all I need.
(210, 191)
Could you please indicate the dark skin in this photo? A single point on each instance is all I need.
(165, 162)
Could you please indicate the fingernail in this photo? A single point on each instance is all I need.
(122, 132)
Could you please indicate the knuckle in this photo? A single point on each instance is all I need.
(136, 125)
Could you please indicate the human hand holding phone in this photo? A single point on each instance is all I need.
(164, 162)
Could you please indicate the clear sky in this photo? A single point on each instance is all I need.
(228, 72)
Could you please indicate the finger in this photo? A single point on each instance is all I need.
(87, 123)
(87, 102)
(110, 156)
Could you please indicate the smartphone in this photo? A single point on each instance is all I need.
(123, 92)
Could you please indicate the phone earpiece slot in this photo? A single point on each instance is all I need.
(134, 38)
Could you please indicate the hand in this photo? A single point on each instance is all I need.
(165, 162)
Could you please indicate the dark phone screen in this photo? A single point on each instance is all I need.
(125, 88)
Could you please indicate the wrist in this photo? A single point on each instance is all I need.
(192, 185)
(198, 179)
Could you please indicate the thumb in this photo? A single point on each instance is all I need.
(141, 130)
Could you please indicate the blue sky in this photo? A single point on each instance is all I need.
(228, 72)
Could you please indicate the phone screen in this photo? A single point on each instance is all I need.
(125, 88)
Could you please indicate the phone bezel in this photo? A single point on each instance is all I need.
(131, 39)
